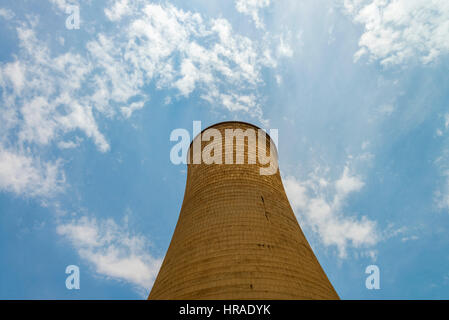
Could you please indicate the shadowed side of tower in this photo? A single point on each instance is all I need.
(237, 236)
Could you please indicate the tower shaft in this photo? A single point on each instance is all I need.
(237, 236)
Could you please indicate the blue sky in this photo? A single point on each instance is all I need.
(358, 90)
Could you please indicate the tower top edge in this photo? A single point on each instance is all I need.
(231, 121)
(227, 122)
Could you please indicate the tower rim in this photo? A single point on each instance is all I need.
(229, 121)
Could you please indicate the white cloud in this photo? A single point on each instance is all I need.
(128, 111)
(63, 4)
(14, 72)
(319, 205)
(176, 49)
(348, 183)
(24, 175)
(70, 144)
(190, 75)
(117, 9)
(252, 8)
(411, 238)
(396, 31)
(113, 251)
(6, 14)
(48, 103)
(82, 118)
(284, 48)
(47, 96)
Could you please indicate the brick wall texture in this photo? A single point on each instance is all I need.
(238, 238)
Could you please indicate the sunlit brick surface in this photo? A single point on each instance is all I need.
(237, 238)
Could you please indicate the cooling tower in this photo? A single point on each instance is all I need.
(237, 236)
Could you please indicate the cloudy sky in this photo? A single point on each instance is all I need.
(358, 89)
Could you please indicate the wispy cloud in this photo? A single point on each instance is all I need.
(398, 31)
(319, 205)
(181, 50)
(117, 9)
(252, 8)
(48, 104)
(113, 251)
(27, 176)
(6, 14)
(62, 4)
(47, 95)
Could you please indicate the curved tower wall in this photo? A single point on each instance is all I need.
(237, 236)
